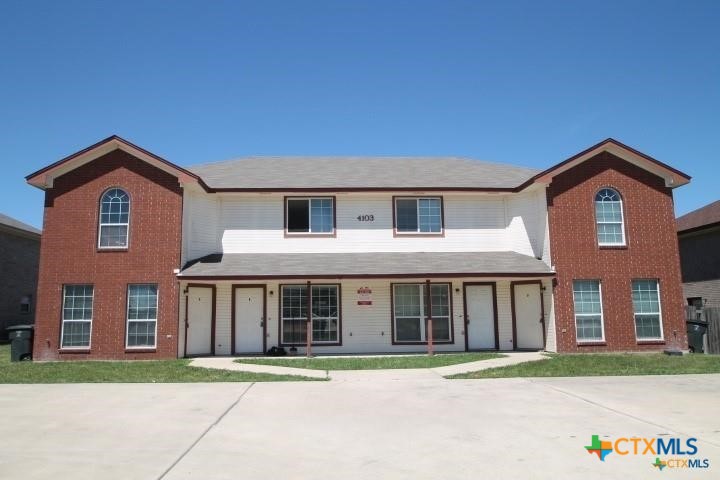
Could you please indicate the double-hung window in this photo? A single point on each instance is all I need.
(310, 215)
(588, 311)
(418, 215)
(142, 316)
(114, 219)
(410, 312)
(325, 314)
(77, 316)
(609, 218)
(646, 306)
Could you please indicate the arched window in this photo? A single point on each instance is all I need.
(114, 219)
(609, 218)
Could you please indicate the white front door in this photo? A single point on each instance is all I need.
(528, 316)
(480, 317)
(249, 320)
(199, 321)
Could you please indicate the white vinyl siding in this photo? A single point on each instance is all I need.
(587, 299)
(77, 316)
(244, 223)
(142, 316)
(646, 306)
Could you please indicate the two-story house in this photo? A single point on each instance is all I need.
(699, 239)
(142, 258)
(19, 255)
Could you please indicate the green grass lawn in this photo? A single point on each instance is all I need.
(581, 365)
(146, 371)
(373, 363)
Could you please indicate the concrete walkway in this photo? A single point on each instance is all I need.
(228, 363)
(510, 358)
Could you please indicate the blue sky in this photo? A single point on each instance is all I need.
(515, 82)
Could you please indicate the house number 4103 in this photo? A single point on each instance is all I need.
(366, 218)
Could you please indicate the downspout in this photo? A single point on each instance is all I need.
(429, 333)
(308, 330)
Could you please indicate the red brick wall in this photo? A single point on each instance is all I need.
(69, 254)
(652, 252)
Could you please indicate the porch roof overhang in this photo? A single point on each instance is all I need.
(255, 266)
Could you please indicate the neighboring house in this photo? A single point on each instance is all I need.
(699, 238)
(142, 258)
(19, 257)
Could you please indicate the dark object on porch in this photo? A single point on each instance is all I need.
(276, 352)
(21, 338)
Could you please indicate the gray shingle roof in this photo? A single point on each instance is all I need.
(707, 215)
(360, 172)
(334, 265)
(17, 224)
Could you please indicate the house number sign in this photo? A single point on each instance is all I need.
(366, 218)
(364, 296)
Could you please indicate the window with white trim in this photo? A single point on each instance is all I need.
(77, 316)
(325, 314)
(310, 215)
(609, 218)
(587, 300)
(410, 312)
(646, 307)
(142, 316)
(114, 219)
(418, 215)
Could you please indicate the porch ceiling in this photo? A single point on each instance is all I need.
(363, 265)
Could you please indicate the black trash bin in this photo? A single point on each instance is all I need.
(696, 330)
(21, 342)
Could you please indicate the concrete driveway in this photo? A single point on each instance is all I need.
(357, 427)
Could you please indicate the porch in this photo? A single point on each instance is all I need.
(356, 311)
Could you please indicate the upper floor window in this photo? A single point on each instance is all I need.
(310, 215)
(418, 215)
(609, 218)
(114, 219)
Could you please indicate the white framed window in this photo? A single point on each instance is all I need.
(410, 312)
(142, 310)
(609, 218)
(310, 215)
(418, 215)
(325, 314)
(646, 307)
(114, 225)
(587, 299)
(77, 313)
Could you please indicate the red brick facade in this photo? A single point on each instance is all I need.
(69, 255)
(651, 252)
